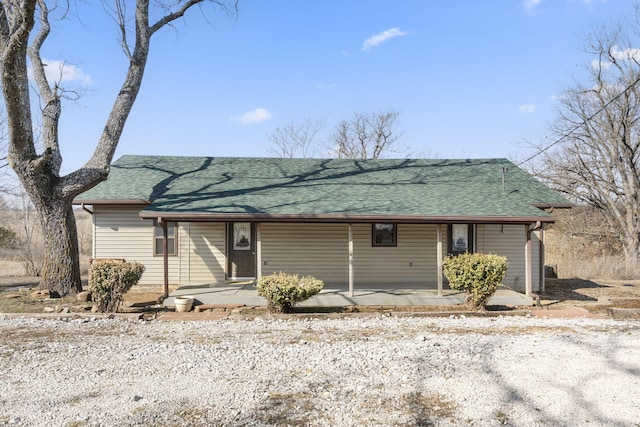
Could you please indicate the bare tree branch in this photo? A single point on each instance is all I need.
(24, 28)
(296, 140)
(598, 161)
(367, 136)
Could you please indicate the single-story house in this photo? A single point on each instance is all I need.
(352, 223)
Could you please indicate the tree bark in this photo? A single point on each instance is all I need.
(60, 267)
(39, 173)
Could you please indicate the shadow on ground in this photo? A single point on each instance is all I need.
(563, 290)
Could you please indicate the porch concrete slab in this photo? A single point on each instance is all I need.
(245, 293)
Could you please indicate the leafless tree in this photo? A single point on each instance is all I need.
(296, 140)
(24, 28)
(366, 136)
(596, 158)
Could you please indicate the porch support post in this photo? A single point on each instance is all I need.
(165, 255)
(439, 256)
(351, 275)
(543, 284)
(528, 279)
(258, 252)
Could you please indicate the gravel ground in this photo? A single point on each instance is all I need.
(373, 370)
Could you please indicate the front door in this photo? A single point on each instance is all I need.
(242, 250)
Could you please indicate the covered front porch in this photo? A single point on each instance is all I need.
(339, 296)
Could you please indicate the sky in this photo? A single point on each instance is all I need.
(472, 79)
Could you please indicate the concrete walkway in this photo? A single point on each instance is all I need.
(245, 293)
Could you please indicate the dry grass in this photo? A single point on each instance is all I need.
(9, 267)
(580, 245)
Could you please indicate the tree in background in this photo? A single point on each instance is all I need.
(24, 28)
(296, 140)
(366, 136)
(598, 126)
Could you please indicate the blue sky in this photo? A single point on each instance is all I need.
(471, 78)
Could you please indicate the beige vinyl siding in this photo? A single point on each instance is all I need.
(322, 250)
(509, 241)
(120, 233)
(205, 252)
(319, 250)
(412, 261)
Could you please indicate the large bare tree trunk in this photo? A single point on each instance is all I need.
(61, 260)
(24, 27)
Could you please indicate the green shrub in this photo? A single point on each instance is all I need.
(8, 238)
(283, 291)
(109, 280)
(477, 274)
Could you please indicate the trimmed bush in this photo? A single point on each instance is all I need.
(109, 280)
(283, 291)
(477, 274)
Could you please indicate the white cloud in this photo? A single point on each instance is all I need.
(527, 108)
(557, 98)
(60, 71)
(629, 54)
(626, 54)
(382, 37)
(256, 116)
(531, 4)
(600, 65)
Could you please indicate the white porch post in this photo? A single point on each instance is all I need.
(439, 255)
(543, 284)
(165, 256)
(527, 262)
(258, 252)
(351, 275)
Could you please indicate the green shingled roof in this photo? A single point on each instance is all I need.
(218, 187)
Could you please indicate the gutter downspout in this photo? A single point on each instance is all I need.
(86, 209)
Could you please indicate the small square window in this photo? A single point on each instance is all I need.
(171, 239)
(384, 235)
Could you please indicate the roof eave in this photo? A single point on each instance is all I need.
(554, 205)
(119, 202)
(344, 218)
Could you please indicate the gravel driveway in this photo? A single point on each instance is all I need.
(373, 370)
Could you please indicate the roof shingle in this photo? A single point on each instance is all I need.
(219, 186)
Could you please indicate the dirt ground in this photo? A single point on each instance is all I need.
(593, 295)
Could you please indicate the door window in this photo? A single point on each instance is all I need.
(241, 236)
